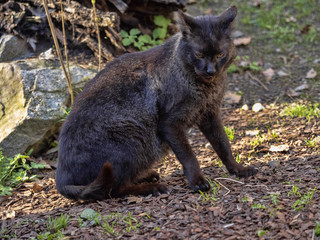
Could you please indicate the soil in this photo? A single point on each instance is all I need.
(232, 213)
(281, 202)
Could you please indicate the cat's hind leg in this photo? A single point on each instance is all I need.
(149, 176)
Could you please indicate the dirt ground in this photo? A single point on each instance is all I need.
(234, 209)
(281, 202)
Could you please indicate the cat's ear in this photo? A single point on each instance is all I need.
(187, 23)
(227, 18)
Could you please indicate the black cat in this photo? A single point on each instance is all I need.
(141, 104)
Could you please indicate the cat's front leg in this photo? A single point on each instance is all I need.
(177, 139)
(212, 128)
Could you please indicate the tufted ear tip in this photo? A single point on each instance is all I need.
(228, 16)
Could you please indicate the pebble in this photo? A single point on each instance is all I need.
(252, 133)
(257, 107)
(245, 107)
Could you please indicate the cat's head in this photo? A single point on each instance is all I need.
(206, 44)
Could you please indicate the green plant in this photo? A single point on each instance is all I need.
(273, 135)
(14, 171)
(294, 190)
(233, 68)
(144, 41)
(58, 223)
(304, 200)
(254, 66)
(106, 226)
(243, 63)
(54, 226)
(301, 110)
(66, 112)
(210, 196)
(245, 199)
(261, 233)
(312, 35)
(317, 229)
(274, 198)
(50, 236)
(132, 222)
(258, 140)
(259, 206)
(230, 132)
(314, 143)
(238, 159)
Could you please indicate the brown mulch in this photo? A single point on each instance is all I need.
(232, 213)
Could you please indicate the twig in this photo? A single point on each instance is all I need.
(45, 4)
(313, 233)
(229, 179)
(98, 32)
(256, 79)
(228, 190)
(65, 40)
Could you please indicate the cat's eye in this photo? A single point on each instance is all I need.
(199, 55)
(220, 55)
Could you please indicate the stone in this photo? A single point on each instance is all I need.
(245, 107)
(32, 95)
(12, 47)
(257, 107)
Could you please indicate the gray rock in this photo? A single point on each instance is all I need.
(32, 93)
(12, 47)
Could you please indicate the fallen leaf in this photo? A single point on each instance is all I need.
(36, 188)
(268, 74)
(281, 217)
(236, 34)
(305, 29)
(282, 73)
(242, 41)
(292, 93)
(133, 199)
(249, 198)
(311, 74)
(302, 87)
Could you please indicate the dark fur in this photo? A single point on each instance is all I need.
(141, 104)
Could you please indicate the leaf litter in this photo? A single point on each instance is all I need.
(238, 208)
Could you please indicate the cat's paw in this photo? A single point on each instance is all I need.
(241, 171)
(199, 184)
(152, 176)
(159, 189)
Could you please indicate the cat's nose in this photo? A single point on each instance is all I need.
(210, 69)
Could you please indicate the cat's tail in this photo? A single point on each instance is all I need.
(99, 189)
